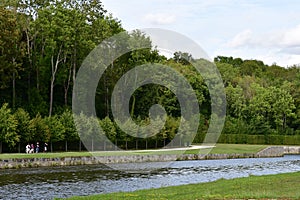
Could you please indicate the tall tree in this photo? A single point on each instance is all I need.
(8, 127)
(11, 49)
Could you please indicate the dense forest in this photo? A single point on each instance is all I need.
(44, 42)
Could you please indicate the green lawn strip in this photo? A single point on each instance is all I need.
(219, 149)
(281, 186)
(43, 155)
(237, 148)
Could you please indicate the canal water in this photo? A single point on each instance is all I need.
(51, 182)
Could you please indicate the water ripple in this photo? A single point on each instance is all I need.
(47, 183)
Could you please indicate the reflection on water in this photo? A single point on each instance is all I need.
(47, 183)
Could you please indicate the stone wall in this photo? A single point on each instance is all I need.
(66, 161)
(291, 150)
(271, 152)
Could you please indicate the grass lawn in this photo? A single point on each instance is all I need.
(237, 148)
(220, 148)
(282, 186)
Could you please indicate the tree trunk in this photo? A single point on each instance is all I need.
(133, 105)
(136, 144)
(106, 99)
(51, 98)
(66, 87)
(126, 144)
(79, 145)
(19, 147)
(92, 144)
(28, 91)
(51, 147)
(284, 121)
(37, 79)
(54, 68)
(0, 146)
(30, 61)
(14, 91)
(66, 145)
(74, 73)
(146, 144)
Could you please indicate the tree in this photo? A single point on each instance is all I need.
(11, 49)
(70, 134)
(236, 103)
(282, 107)
(229, 73)
(88, 130)
(252, 67)
(183, 57)
(56, 129)
(8, 127)
(109, 130)
(39, 129)
(54, 26)
(272, 105)
(23, 127)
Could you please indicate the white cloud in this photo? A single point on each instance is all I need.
(280, 46)
(160, 18)
(291, 37)
(243, 38)
(288, 39)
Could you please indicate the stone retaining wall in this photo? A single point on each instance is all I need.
(271, 152)
(291, 150)
(66, 161)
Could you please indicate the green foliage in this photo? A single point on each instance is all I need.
(235, 126)
(39, 129)
(109, 128)
(43, 43)
(8, 127)
(89, 132)
(23, 125)
(273, 105)
(183, 58)
(56, 128)
(66, 119)
(11, 46)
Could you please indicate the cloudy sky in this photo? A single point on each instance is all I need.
(268, 30)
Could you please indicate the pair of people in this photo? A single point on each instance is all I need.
(29, 148)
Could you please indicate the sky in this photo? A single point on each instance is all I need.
(267, 30)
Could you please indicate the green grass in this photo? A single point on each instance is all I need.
(281, 186)
(237, 148)
(43, 155)
(220, 148)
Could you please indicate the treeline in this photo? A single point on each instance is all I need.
(261, 99)
(43, 44)
(18, 129)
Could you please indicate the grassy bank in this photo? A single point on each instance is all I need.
(282, 186)
(237, 148)
(219, 149)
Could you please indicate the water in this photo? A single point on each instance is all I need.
(47, 183)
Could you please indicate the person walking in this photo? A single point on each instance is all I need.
(37, 147)
(28, 148)
(31, 148)
(45, 147)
